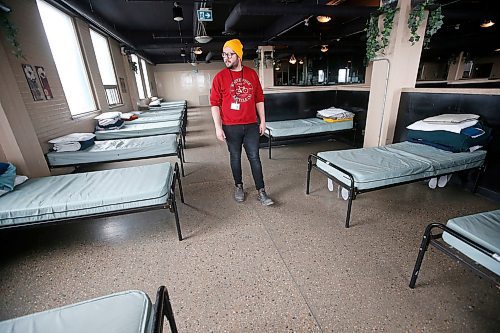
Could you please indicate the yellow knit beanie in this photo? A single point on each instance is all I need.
(236, 46)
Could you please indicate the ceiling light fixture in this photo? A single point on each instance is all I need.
(497, 50)
(183, 53)
(301, 62)
(201, 34)
(323, 18)
(177, 11)
(487, 24)
(197, 50)
(324, 48)
(292, 60)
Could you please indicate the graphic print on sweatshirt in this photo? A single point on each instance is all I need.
(241, 89)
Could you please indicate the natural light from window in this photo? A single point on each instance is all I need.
(106, 68)
(146, 78)
(138, 77)
(67, 55)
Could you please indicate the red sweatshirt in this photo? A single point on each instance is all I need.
(230, 88)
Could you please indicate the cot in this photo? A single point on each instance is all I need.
(120, 150)
(472, 240)
(140, 130)
(95, 194)
(369, 169)
(289, 129)
(124, 312)
(158, 117)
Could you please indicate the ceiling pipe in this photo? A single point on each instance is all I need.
(256, 9)
(98, 23)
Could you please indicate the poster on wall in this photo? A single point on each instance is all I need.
(44, 82)
(123, 86)
(32, 82)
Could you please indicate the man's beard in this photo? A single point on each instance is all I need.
(230, 66)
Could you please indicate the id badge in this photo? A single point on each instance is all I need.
(235, 106)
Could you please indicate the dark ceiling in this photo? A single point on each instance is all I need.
(148, 28)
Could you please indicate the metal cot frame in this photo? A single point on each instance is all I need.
(354, 191)
(434, 239)
(268, 134)
(179, 153)
(171, 204)
(163, 308)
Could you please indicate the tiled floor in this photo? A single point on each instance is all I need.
(248, 268)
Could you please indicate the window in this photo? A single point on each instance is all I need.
(343, 75)
(67, 55)
(146, 78)
(138, 77)
(106, 68)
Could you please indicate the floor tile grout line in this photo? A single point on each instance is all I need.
(292, 276)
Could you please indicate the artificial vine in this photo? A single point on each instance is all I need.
(378, 40)
(434, 21)
(10, 32)
(132, 64)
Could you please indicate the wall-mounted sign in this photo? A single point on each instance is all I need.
(205, 15)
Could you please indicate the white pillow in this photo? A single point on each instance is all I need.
(143, 102)
(455, 128)
(154, 98)
(73, 137)
(451, 118)
(155, 103)
(108, 115)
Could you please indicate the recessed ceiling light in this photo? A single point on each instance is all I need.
(323, 18)
(487, 24)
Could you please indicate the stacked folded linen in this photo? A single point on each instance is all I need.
(129, 116)
(73, 142)
(451, 132)
(108, 121)
(335, 114)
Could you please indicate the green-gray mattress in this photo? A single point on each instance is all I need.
(482, 228)
(125, 312)
(162, 111)
(396, 163)
(116, 150)
(134, 131)
(156, 118)
(82, 194)
(306, 126)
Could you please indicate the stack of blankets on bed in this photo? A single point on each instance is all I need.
(73, 142)
(334, 114)
(451, 132)
(109, 121)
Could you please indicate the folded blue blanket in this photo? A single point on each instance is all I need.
(7, 178)
(3, 167)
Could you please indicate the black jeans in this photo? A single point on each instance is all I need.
(247, 136)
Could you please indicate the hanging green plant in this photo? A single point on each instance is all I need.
(377, 40)
(434, 23)
(10, 32)
(132, 64)
(416, 17)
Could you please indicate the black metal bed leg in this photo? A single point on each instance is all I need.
(424, 245)
(180, 157)
(476, 181)
(349, 206)
(180, 186)
(309, 168)
(270, 139)
(163, 308)
(176, 214)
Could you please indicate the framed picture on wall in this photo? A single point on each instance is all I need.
(30, 75)
(40, 71)
(123, 86)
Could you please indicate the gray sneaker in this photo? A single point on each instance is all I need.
(239, 194)
(264, 199)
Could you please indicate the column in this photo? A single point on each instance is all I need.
(266, 72)
(392, 72)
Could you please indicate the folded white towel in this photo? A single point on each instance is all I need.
(451, 118)
(73, 137)
(108, 115)
(335, 113)
(107, 122)
(455, 128)
(67, 146)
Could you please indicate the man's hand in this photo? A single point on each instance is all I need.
(219, 133)
(262, 128)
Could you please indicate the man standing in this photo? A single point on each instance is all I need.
(236, 99)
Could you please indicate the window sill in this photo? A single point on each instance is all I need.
(115, 106)
(85, 115)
